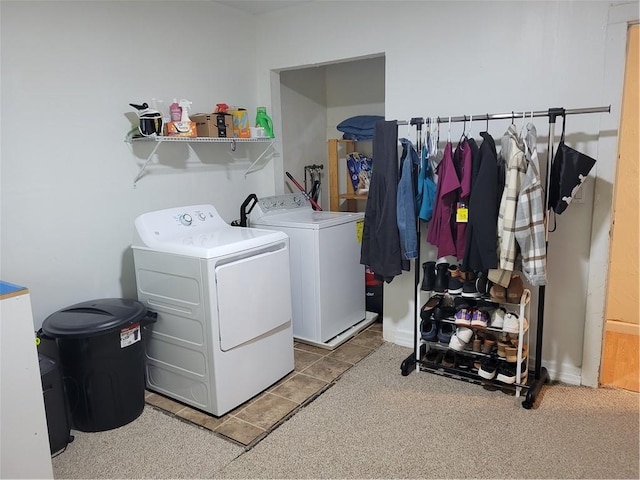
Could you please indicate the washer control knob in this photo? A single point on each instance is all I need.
(202, 216)
(186, 219)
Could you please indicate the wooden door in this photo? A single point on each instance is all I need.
(620, 361)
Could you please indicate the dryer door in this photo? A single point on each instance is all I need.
(254, 296)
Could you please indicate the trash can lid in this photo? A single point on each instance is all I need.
(94, 317)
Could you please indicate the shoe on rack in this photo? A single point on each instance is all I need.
(488, 367)
(512, 353)
(486, 306)
(488, 345)
(461, 338)
(512, 323)
(428, 308)
(515, 289)
(442, 278)
(442, 312)
(482, 285)
(479, 318)
(465, 334)
(497, 318)
(463, 317)
(454, 284)
(469, 289)
(429, 329)
(445, 330)
(502, 349)
(507, 373)
(428, 276)
(464, 362)
(434, 356)
(497, 293)
(449, 359)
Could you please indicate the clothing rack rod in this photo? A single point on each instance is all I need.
(515, 115)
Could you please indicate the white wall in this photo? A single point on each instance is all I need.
(69, 71)
(454, 58)
(304, 113)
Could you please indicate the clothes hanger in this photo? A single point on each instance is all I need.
(434, 145)
(487, 119)
(449, 131)
(464, 128)
(523, 123)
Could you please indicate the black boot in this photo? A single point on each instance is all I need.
(442, 278)
(428, 276)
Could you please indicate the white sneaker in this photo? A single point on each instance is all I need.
(460, 339)
(464, 334)
(512, 323)
(497, 318)
(456, 344)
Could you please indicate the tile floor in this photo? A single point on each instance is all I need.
(315, 370)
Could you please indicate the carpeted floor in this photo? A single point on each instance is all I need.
(375, 423)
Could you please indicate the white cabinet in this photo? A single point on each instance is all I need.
(24, 441)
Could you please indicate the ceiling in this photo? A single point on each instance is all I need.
(256, 7)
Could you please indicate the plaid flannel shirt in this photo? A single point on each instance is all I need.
(513, 154)
(530, 226)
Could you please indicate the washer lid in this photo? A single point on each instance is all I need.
(197, 231)
(88, 319)
(311, 219)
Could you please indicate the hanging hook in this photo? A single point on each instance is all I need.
(487, 119)
(513, 117)
(470, 124)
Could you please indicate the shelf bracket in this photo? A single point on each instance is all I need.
(144, 166)
(249, 170)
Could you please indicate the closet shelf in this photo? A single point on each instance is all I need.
(338, 150)
(233, 141)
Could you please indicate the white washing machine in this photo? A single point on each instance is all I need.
(222, 294)
(327, 280)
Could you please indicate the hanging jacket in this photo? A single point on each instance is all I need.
(482, 243)
(441, 232)
(530, 228)
(380, 239)
(462, 162)
(516, 164)
(425, 200)
(406, 205)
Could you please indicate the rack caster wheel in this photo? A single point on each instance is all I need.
(527, 405)
(408, 365)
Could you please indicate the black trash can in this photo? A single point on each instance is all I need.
(102, 360)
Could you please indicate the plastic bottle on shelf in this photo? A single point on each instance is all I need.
(263, 121)
(175, 111)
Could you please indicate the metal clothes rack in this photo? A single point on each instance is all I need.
(541, 376)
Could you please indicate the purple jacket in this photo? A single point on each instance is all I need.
(462, 162)
(441, 232)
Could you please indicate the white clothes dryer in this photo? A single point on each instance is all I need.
(222, 294)
(327, 279)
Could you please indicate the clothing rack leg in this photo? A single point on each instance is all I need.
(409, 363)
(541, 374)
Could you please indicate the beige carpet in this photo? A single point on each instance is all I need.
(375, 423)
(155, 445)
